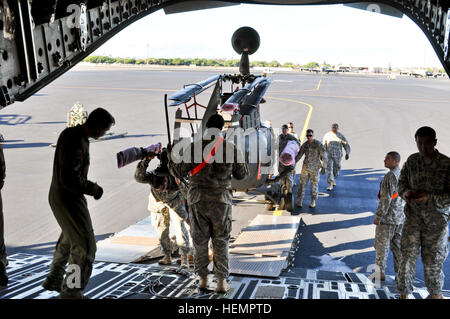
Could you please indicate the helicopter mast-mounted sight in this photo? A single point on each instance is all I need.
(245, 41)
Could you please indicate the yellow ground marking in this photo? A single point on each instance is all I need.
(113, 89)
(301, 91)
(278, 212)
(320, 82)
(308, 117)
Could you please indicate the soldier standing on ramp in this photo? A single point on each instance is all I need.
(425, 186)
(76, 244)
(314, 152)
(389, 217)
(210, 199)
(3, 260)
(334, 141)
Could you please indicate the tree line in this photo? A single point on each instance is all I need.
(187, 62)
(211, 62)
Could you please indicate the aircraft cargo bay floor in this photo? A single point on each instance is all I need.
(252, 254)
(375, 114)
(138, 281)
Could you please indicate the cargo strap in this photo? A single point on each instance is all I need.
(199, 167)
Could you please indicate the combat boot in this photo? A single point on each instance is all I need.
(222, 285)
(313, 203)
(3, 276)
(330, 187)
(52, 284)
(382, 276)
(167, 260)
(203, 283)
(299, 203)
(439, 296)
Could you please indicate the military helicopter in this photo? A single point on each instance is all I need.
(240, 108)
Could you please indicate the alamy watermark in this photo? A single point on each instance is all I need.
(73, 277)
(253, 146)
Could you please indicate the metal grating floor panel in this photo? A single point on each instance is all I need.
(256, 266)
(128, 281)
(267, 235)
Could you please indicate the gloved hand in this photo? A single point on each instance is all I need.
(98, 193)
(322, 171)
(346, 156)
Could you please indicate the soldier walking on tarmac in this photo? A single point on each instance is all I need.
(334, 141)
(291, 131)
(286, 179)
(389, 217)
(76, 244)
(315, 160)
(210, 198)
(425, 186)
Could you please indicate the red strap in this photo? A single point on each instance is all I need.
(199, 167)
(393, 196)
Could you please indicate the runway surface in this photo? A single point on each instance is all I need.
(375, 114)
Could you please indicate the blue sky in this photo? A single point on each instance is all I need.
(299, 34)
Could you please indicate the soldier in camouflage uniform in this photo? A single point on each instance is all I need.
(76, 244)
(314, 153)
(389, 216)
(3, 260)
(165, 199)
(425, 186)
(334, 141)
(210, 199)
(286, 179)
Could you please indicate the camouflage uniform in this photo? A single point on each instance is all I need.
(426, 225)
(76, 243)
(313, 152)
(164, 206)
(210, 205)
(286, 179)
(3, 260)
(391, 217)
(333, 145)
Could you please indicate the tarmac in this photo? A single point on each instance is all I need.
(376, 115)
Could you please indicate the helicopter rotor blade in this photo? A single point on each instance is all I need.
(188, 91)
